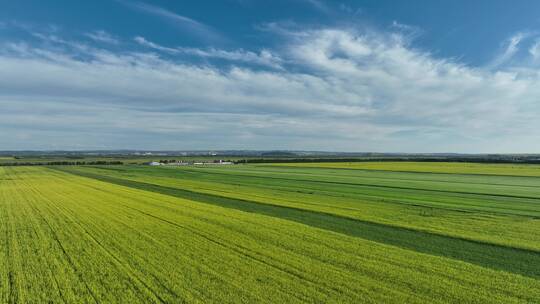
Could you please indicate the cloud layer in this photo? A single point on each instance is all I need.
(324, 89)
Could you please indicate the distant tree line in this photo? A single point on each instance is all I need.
(64, 163)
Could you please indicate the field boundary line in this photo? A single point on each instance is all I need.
(378, 186)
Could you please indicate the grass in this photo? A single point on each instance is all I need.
(266, 234)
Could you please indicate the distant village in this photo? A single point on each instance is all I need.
(188, 163)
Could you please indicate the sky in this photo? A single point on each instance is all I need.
(358, 76)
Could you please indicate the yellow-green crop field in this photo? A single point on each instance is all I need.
(291, 233)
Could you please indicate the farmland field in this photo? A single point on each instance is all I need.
(271, 233)
(429, 167)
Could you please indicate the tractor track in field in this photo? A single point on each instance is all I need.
(51, 272)
(64, 252)
(118, 261)
(403, 171)
(236, 251)
(212, 172)
(70, 260)
(12, 295)
(467, 250)
(239, 231)
(357, 195)
(241, 250)
(476, 207)
(378, 186)
(123, 266)
(382, 178)
(55, 237)
(158, 281)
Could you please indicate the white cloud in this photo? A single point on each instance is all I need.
(350, 10)
(534, 50)
(319, 5)
(402, 26)
(190, 25)
(102, 36)
(338, 90)
(511, 48)
(142, 41)
(410, 32)
(264, 57)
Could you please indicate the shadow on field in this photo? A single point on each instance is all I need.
(519, 261)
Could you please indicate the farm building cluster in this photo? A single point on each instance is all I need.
(184, 163)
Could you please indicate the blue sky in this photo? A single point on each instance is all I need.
(388, 76)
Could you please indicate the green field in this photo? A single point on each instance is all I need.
(429, 167)
(271, 233)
